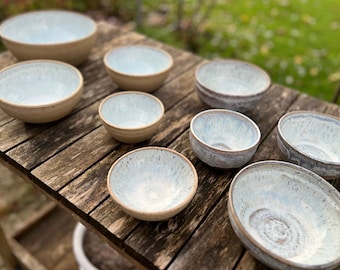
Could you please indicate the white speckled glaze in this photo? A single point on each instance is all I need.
(40, 91)
(231, 84)
(286, 215)
(312, 140)
(131, 116)
(223, 138)
(152, 183)
(49, 34)
(138, 67)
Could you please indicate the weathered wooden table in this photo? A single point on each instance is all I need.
(69, 160)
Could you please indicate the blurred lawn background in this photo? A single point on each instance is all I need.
(295, 41)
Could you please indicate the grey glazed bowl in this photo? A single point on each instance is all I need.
(286, 215)
(138, 67)
(152, 183)
(40, 91)
(312, 140)
(50, 34)
(223, 138)
(231, 84)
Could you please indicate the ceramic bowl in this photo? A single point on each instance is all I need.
(286, 215)
(152, 183)
(223, 138)
(131, 116)
(138, 67)
(40, 91)
(231, 84)
(50, 34)
(312, 140)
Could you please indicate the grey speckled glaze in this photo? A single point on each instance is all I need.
(286, 215)
(223, 139)
(312, 140)
(231, 84)
(152, 183)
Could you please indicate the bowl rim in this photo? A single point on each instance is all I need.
(250, 238)
(305, 112)
(74, 92)
(48, 11)
(235, 62)
(164, 52)
(164, 212)
(147, 95)
(229, 112)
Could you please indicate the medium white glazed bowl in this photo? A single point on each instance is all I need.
(312, 140)
(131, 116)
(138, 67)
(223, 138)
(286, 215)
(40, 91)
(231, 84)
(152, 183)
(50, 34)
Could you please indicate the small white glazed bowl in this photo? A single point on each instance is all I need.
(40, 91)
(131, 116)
(223, 138)
(312, 140)
(286, 215)
(231, 84)
(152, 183)
(49, 34)
(138, 67)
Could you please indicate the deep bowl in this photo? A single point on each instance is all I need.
(286, 215)
(231, 84)
(223, 139)
(138, 67)
(131, 116)
(152, 183)
(50, 34)
(312, 140)
(40, 91)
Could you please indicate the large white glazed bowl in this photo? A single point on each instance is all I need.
(50, 34)
(286, 215)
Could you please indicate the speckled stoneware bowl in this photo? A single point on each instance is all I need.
(138, 67)
(286, 215)
(312, 140)
(223, 139)
(231, 84)
(40, 91)
(131, 116)
(152, 183)
(49, 34)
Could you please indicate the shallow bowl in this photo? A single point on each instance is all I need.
(138, 67)
(131, 116)
(40, 91)
(312, 140)
(223, 138)
(152, 183)
(286, 215)
(50, 34)
(231, 84)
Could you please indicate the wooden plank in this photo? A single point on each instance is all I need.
(248, 262)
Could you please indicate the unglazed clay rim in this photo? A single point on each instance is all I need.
(281, 134)
(250, 238)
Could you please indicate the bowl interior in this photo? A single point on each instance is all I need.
(288, 211)
(131, 110)
(152, 179)
(225, 130)
(138, 60)
(38, 83)
(47, 27)
(232, 77)
(315, 135)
